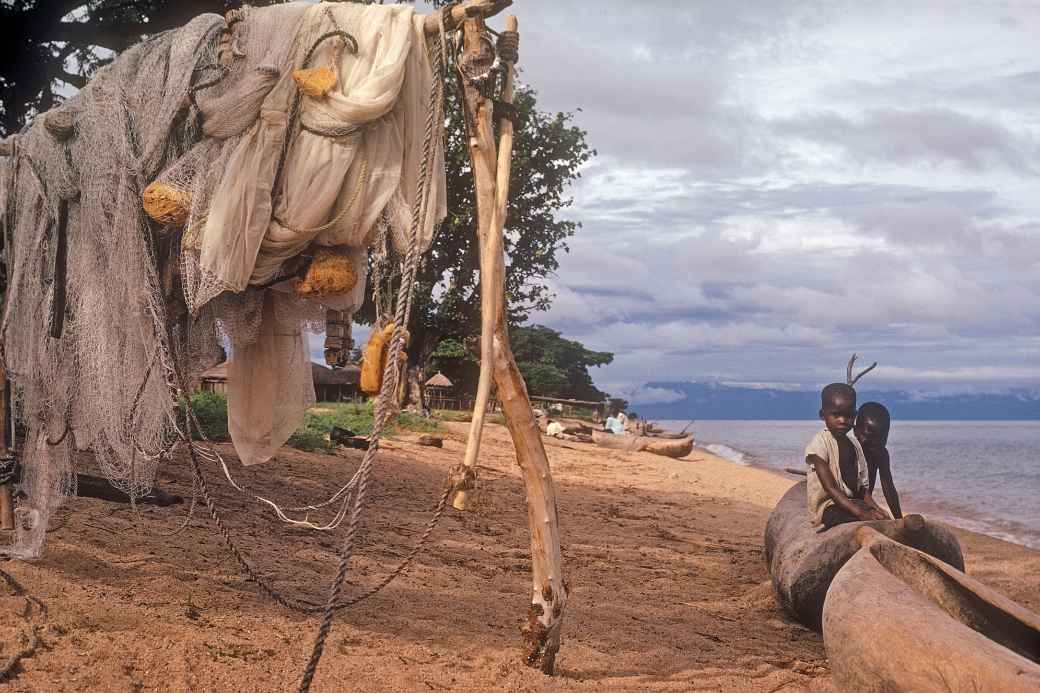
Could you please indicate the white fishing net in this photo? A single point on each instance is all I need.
(243, 170)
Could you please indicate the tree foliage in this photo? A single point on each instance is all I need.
(557, 367)
(548, 152)
(51, 47)
(552, 366)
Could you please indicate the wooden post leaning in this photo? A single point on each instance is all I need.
(542, 631)
(6, 496)
(492, 284)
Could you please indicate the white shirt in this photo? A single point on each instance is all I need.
(825, 446)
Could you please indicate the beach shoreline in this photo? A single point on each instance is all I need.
(972, 505)
(669, 589)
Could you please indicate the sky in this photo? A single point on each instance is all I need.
(780, 184)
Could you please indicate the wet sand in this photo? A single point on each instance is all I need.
(664, 559)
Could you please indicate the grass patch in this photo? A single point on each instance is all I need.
(355, 416)
(211, 410)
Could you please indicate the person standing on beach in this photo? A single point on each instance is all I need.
(837, 486)
(872, 425)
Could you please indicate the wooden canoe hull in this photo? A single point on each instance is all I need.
(803, 561)
(669, 447)
(897, 619)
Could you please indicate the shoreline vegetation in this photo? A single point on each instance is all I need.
(670, 589)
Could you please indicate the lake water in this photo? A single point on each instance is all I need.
(980, 475)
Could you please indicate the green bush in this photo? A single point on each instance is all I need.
(211, 410)
(306, 438)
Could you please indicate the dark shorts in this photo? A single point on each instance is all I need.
(833, 515)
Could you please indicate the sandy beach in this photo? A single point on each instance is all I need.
(664, 560)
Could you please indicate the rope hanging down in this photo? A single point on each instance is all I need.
(390, 370)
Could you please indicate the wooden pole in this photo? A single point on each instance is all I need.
(542, 631)
(6, 497)
(492, 283)
(459, 12)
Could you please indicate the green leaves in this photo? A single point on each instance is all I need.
(554, 366)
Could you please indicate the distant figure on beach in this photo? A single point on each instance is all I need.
(837, 486)
(871, 430)
(623, 420)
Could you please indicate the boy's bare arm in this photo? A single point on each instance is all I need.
(888, 486)
(830, 485)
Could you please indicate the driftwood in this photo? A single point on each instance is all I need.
(667, 447)
(491, 169)
(803, 561)
(541, 632)
(88, 486)
(431, 441)
(461, 11)
(851, 380)
(344, 437)
(897, 619)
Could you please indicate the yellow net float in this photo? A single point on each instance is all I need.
(315, 82)
(331, 273)
(166, 204)
(373, 360)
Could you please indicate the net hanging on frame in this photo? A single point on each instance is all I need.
(220, 184)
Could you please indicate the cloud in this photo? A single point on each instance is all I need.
(933, 136)
(781, 186)
(653, 395)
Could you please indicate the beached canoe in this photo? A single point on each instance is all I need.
(669, 447)
(897, 619)
(802, 561)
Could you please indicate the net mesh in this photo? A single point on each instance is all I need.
(108, 208)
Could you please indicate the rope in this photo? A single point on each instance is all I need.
(508, 46)
(390, 372)
(354, 197)
(32, 638)
(294, 112)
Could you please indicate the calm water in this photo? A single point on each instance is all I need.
(980, 475)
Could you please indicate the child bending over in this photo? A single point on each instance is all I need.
(872, 424)
(839, 489)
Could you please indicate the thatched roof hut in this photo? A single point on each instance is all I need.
(439, 380)
(329, 385)
(214, 379)
(334, 385)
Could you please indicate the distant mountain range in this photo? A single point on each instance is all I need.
(709, 400)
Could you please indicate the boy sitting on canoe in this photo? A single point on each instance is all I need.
(837, 486)
(872, 425)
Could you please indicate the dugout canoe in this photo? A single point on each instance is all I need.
(669, 447)
(897, 619)
(803, 561)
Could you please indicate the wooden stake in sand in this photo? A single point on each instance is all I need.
(491, 181)
(6, 497)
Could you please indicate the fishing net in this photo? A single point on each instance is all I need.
(170, 210)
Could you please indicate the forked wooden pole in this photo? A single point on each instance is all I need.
(492, 284)
(542, 631)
